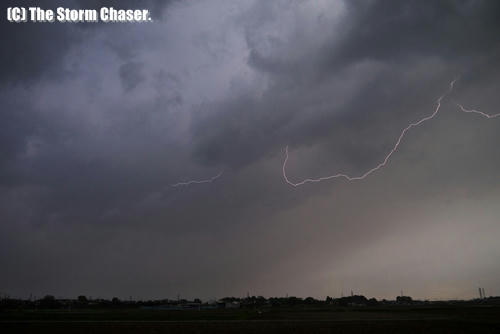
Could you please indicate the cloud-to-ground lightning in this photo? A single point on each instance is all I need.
(477, 112)
(186, 183)
(387, 157)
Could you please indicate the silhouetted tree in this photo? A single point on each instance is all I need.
(82, 299)
(404, 300)
(49, 302)
(309, 300)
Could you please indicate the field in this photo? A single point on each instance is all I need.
(447, 319)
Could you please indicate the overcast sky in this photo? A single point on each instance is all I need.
(99, 120)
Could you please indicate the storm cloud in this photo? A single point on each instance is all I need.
(99, 120)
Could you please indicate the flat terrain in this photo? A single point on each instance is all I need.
(449, 319)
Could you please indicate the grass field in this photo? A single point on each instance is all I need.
(281, 320)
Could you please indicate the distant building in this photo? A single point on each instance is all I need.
(232, 305)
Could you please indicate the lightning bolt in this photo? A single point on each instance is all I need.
(387, 157)
(477, 112)
(210, 180)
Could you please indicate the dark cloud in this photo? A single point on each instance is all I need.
(30, 50)
(130, 74)
(395, 29)
(98, 121)
(387, 48)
